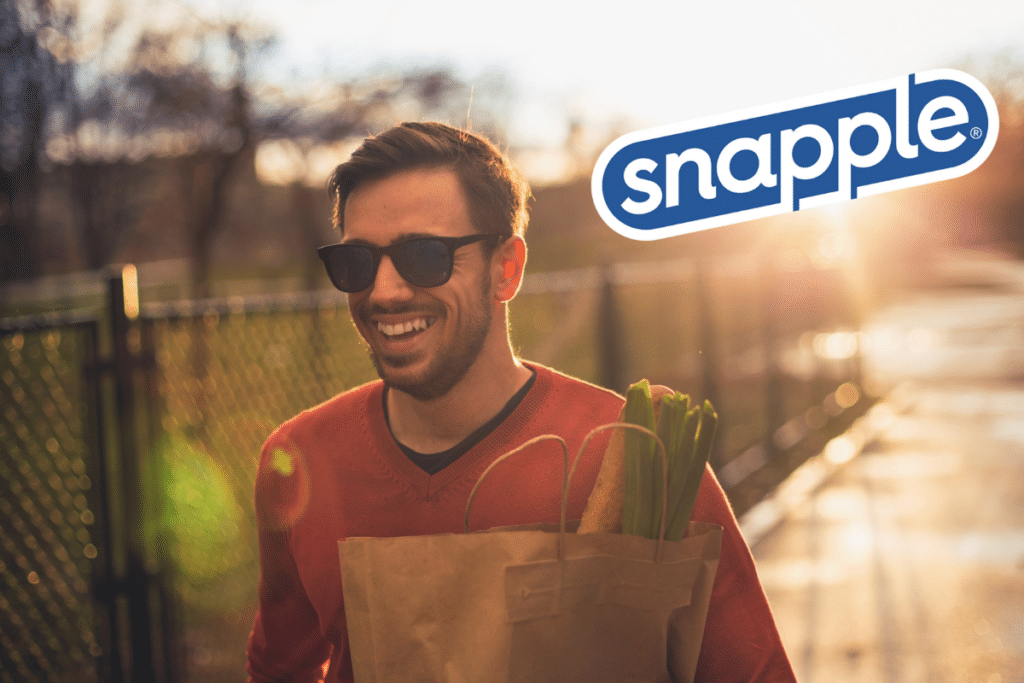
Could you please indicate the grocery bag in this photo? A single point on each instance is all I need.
(528, 604)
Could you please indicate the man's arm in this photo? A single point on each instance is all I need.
(286, 642)
(741, 642)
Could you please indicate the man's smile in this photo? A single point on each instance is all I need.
(404, 329)
(400, 330)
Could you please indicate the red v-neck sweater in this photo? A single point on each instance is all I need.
(335, 472)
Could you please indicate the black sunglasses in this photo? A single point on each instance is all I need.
(421, 261)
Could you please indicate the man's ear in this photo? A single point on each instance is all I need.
(510, 262)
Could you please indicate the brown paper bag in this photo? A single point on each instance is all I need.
(528, 604)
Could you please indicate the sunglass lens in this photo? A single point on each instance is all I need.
(351, 267)
(423, 262)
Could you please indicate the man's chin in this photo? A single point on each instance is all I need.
(399, 374)
(414, 386)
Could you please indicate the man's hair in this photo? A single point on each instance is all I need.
(496, 194)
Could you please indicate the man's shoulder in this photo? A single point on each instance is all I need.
(334, 415)
(569, 407)
(562, 384)
(568, 400)
(306, 443)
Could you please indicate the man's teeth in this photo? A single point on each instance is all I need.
(402, 328)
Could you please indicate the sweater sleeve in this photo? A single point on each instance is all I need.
(286, 643)
(741, 641)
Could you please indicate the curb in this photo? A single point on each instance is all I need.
(806, 479)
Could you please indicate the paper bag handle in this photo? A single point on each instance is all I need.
(567, 474)
(522, 447)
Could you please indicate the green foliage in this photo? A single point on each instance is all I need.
(686, 436)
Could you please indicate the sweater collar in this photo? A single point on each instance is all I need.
(464, 471)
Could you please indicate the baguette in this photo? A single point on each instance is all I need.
(603, 513)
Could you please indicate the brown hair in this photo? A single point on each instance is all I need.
(496, 194)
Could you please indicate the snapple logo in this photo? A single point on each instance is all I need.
(852, 143)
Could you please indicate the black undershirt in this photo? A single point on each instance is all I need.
(432, 463)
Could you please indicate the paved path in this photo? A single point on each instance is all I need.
(907, 564)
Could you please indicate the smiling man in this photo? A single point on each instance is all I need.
(431, 220)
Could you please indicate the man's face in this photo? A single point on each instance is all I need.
(422, 340)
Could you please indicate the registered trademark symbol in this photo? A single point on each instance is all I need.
(975, 132)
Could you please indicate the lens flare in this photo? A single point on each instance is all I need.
(282, 462)
(198, 512)
(283, 487)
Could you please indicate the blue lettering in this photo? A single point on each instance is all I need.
(857, 142)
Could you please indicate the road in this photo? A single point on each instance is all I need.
(907, 564)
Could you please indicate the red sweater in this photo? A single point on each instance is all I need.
(335, 471)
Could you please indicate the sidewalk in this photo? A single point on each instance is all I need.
(906, 563)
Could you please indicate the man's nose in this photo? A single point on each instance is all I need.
(389, 285)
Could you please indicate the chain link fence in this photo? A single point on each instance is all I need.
(47, 629)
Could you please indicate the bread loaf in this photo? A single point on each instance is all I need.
(603, 513)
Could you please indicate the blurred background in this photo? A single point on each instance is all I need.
(162, 171)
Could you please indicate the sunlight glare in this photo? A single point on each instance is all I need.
(920, 340)
(835, 345)
(840, 450)
(279, 162)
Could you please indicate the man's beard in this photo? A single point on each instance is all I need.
(450, 363)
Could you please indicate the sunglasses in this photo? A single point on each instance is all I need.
(421, 261)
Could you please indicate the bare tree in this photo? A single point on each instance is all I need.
(167, 100)
(126, 113)
(35, 83)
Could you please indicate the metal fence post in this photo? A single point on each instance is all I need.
(610, 344)
(136, 580)
(105, 582)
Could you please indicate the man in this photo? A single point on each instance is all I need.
(431, 220)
